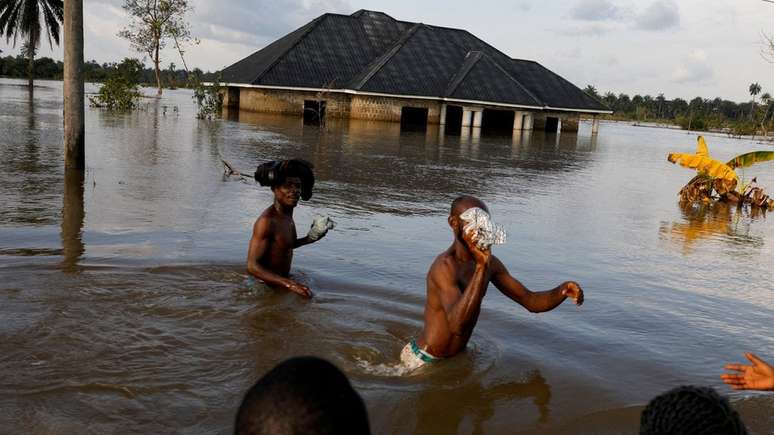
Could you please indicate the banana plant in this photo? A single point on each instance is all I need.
(714, 174)
(704, 163)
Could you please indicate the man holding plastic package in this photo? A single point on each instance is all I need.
(458, 280)
(270, 253)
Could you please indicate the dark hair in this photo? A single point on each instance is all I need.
(689, 410)
(275, 172)
(304, 395)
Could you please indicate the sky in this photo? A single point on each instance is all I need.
(681, 48)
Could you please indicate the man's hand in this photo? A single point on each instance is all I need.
(320, 227)
(573, 291)
(481, 256)
(758, 376)
(301, 289)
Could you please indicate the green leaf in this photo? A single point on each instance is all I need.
(749, 159)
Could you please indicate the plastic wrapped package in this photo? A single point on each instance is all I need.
(320, 227)
(487, 233)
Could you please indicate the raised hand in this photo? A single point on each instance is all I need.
(572, 290)
(320, 228)
(481, 256)
(758, 376)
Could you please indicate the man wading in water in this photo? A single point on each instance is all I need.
(456, 285)
(274, 233)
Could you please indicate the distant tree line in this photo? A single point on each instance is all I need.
(697, 114)
(47, 68)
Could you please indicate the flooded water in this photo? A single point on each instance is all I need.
(124, 304)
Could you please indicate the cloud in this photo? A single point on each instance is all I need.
(696, 68)
(256, 22)
(660, 15)
(596, 10)
(593, 29)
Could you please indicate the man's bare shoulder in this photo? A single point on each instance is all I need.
(264, 223)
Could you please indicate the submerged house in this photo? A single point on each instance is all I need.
(371, 66)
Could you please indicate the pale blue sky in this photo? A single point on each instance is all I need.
(682, 48)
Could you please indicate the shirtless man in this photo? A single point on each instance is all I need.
(274, 233)
(456, 285)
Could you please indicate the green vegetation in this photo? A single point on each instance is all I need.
(21, 19)
(209, 99)
(120, 90)
(117, 93)
(47, 68)
(700, 114)
(152, 24)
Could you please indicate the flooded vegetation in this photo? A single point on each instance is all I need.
(126, 305)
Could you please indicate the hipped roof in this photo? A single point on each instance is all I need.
(371, 52)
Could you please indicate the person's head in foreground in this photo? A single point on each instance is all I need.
(290, 180)
(689, 410)
(304, 395)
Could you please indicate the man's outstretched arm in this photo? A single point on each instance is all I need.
(259, 244)
(536, 302)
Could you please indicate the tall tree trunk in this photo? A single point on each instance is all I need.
(156, 63)
(74, 128)
(30, 62)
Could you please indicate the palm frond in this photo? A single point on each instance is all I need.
(52, 19)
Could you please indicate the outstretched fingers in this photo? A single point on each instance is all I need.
(754, 359)
(736, 367)
(736, 382)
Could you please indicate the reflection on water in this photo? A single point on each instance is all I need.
(72, 219)
(123, 296)
(444, 410)
(716, 219)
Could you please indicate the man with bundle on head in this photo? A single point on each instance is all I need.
(458, 280)
(274, 233)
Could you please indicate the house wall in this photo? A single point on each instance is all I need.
(291, 102)
(569, 120)
(372, 108)
(362, 107)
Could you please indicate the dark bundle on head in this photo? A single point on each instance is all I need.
(304, 395)
(275, 172)
(690, 410)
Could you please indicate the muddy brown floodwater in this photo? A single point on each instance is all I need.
(125, 308)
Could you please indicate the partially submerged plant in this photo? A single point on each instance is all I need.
(117, 93)
(209, 99)
(720, 177)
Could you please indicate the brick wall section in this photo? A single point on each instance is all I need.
(373, 108)
(569, 120)
(364, 107)
(291, 102)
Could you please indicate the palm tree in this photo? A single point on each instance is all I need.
(21, 18)
(766, 101)
(72, 87)
(754, 89)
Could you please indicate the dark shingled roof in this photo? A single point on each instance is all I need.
(372, 52)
